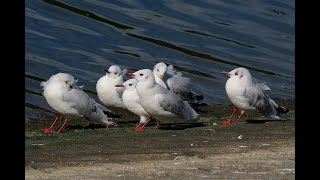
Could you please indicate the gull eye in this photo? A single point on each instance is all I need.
(71, 86)
(236, 73)
(141, 74)
(115, 73)
(130, 84)
(158, 70)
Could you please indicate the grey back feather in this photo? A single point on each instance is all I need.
(176, 82)
(259, 99)
(261, 84)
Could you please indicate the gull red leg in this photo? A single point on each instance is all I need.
(49, 129)
(63, 125)
(158, 124)
(230, 119)
(239, 117)
(141, 128)
(137, 127)
(146, 122)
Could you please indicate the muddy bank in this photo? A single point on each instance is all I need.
(256, 148)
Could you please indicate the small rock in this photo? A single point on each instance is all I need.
(240, 137)
(242, 146)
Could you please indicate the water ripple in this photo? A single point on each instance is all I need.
(199, 38)
(88, 14)
(197, 54)
(221, 38)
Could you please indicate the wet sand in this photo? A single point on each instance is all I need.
(255, 148)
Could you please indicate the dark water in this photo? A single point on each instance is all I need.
(200, 38)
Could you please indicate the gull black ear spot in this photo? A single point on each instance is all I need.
(241, 76)
(146, 77)
(66, 82)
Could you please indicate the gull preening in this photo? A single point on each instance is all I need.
(132, 102)
(108, 94)
(169, 78)
(246, 93)
(158, 101)
(63, 95)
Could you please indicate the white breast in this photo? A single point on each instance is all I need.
(235, 91)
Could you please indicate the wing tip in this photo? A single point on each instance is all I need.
(282, 110)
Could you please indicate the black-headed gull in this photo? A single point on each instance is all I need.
(169, 78)
(64, 96)
(246, 93)
(158, 101)
(132, 102)
(108, 94)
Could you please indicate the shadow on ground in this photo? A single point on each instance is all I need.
(255, 148)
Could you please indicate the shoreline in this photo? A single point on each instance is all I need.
(255, 148)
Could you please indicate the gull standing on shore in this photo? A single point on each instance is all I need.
(64, 96)
(246, 93)
(158, 101)
(132, 102)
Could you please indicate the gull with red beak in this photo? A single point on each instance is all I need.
(132, 102)
(64, 96)
(160, 102)
(108, 94)
(246, 93)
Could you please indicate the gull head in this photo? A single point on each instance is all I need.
(64, 81)
(239, 73)
(160, 69)
(129, 84)
(144, 75)
(114, 71)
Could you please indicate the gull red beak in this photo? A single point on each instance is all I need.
(106, 71)
(161, 76)
(130, 74)
(225, 72)
(119, 85)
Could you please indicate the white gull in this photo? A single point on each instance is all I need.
(169, 78)
(132, 102)
(108, 94)
(159, 101)
(64, 96)
(246, 93)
